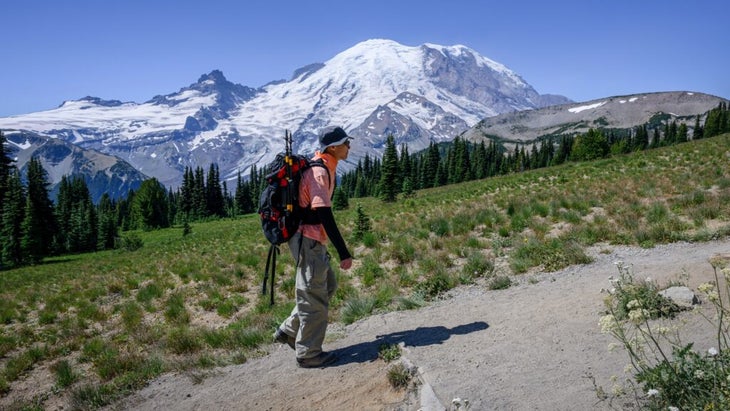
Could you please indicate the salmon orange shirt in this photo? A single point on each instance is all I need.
(315, 189)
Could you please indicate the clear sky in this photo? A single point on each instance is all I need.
(132, 50)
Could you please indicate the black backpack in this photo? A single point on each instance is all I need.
(279, 207)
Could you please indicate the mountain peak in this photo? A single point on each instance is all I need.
(216, 76)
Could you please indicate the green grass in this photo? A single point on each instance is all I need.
(129, 314)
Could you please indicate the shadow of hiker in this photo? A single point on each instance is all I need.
(419, 337)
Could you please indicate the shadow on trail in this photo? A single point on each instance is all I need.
(419, 337)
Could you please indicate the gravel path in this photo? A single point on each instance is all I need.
(534, 346)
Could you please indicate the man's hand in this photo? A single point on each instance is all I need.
(346, 264)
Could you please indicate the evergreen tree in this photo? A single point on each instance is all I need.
(340, 202)
(200, 207)
(5, 167)
(243, 203)
(697, 132)
(461, 168)
(408, 186)
(38, 225)
(362, 223)
(641, 141)
(214, 193)
(682, 133)
(480, 161)
(590, 146)
(149, 207)
(388, 178)
(186, 193)
(11, 218)
(713, 122)
(107, 223)
(124, 211)
(670, 136)
(547, 152)
(76, 217)
(361, 189)
(172, 203)
(431, 166)
(564, 150)
(656, 139)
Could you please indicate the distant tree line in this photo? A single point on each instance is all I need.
(461, 160)
(33, 227)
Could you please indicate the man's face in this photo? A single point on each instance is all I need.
(341, 151)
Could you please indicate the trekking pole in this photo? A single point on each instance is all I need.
(289, 162)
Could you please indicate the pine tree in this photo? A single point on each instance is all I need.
(38, 225)
(564, 150)
(641, 141)
(480, 161)
(431, 166)
(5, 167)
(682, 133)
(340, 202)
(590, 146)
(11, 218)
(199, 204)
(697, 132)
(107, 223)
(186, 193)
(388, 183)
(362, 223)
(242, 198)
(213, 193)
(656, 139)
(149, 207)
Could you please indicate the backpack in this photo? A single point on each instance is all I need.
(279, 207)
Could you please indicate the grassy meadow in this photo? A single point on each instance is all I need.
(94, 327)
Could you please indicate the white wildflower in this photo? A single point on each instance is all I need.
(652, 393)
(617, 390)
(633, 304)
(699, 374)
(670, 408)
(706, 287)
(648, 279)
(712, 352)
(638, 316)
(608, 324)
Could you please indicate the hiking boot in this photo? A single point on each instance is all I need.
(283, 338)
(322, 359)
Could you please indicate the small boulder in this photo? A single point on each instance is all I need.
(680, 295)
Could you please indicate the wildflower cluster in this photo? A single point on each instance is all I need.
(683, 379)
(637, 300)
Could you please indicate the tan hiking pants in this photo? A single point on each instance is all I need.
(315, 285)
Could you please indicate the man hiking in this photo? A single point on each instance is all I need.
(305, 328)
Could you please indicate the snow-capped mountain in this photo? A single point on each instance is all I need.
(101, 172)
(376, 88)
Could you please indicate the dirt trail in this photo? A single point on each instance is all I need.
(532, 346)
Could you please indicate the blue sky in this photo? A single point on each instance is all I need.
(133, 50)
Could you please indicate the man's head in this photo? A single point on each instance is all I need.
(335, 141)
